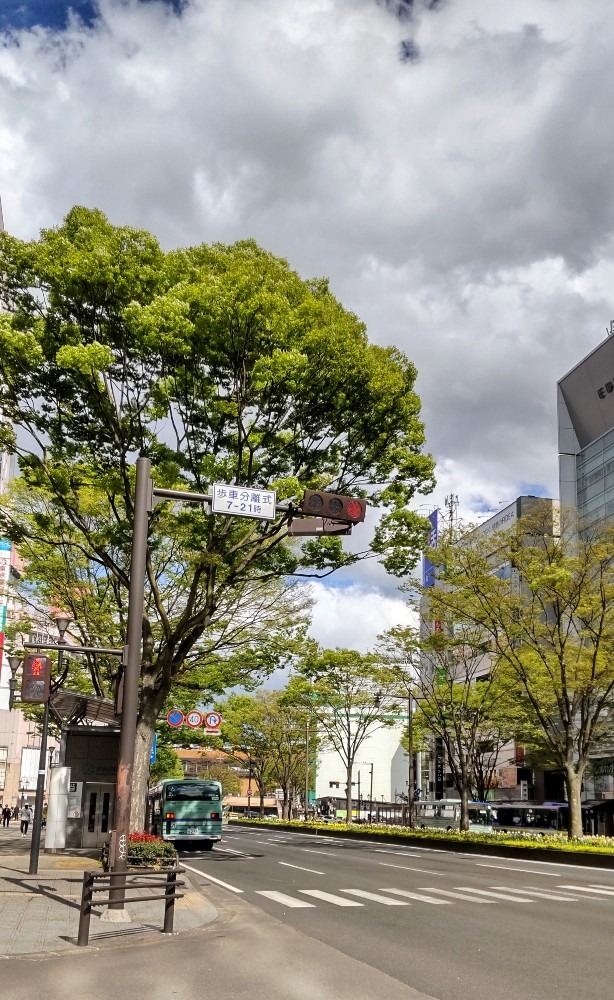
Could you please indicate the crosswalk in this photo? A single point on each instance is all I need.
(435, 896)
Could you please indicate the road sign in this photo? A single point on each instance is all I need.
(194, 719)
(213, 720)
(249, 793)
(228, 499)
(175, 717)
(154, 749)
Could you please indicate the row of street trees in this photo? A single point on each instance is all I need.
(517, 642)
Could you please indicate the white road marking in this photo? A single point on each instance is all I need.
(454, 895)
(507, 868)
(308, 850)
(287, 865)
(375, 897)
(598, 885)
(229, 850)
(280, 897)
(210, 878)
(399, 854)
(586, 888)
(540, 893)
(328, 897)
(508, 895)
(426, 871)
(417, 895)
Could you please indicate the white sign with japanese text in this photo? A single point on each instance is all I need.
(243, 501)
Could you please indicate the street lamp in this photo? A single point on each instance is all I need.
(14, 663)
(62, 622)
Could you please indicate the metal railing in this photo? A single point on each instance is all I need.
(166, 879)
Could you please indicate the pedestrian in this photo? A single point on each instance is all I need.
(7, 812)
(16, 812)
(25, 815)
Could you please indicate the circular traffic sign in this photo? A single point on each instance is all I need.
(175, 717)
(213, 720)
(194, 719)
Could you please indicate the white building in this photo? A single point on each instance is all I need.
(381, 768)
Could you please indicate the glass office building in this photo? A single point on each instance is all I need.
(586, 436)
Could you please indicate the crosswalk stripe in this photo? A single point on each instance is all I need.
(280, 897)
(328, 897)
(507, 895)
(586, 888)
(454, 895)
(375, 897)
(599, 885)
(542, 895)
(416, 895)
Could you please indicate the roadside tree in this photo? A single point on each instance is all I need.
(221, 365)
(550, 626)
(347, 694)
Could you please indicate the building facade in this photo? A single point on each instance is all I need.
(585, 408)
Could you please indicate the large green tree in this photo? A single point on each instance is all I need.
(543, 595)
(219, 363)
(347, 694)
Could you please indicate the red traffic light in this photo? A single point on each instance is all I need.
(334, 506)
(36, 679)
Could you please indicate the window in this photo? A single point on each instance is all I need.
(194, 790)
(4, 752)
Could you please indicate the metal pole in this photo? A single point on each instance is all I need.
(37, 822)
(411, 776)
(359, 796)
(371, 796)
(136, 603)
(307, 759)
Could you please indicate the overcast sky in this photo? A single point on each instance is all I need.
(449, 165)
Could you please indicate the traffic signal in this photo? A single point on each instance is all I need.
(333, 505)
(36, 679)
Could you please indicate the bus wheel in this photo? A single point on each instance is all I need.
(207, 845)
(448, 828)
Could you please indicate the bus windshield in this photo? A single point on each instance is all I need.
(183, 792)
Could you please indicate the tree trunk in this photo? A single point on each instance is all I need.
(464, 794)
(348, 794)
(573, 784)
(151, 703)
(140, 775)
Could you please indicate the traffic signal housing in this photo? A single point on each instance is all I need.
(335, 506)
(36, 679)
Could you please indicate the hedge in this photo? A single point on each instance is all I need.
(531, 841)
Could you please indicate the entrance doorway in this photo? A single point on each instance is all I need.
(97, 814)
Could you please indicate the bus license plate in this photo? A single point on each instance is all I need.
(192, 830)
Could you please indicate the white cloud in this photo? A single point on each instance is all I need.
(462, 204)
(352, 617)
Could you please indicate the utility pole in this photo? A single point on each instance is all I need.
(410, 750)
(136, 602)
(307, 762)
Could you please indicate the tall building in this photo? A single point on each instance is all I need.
(513, 779)
(585, 407)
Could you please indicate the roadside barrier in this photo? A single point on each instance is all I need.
(94, 882)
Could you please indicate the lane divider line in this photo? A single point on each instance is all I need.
(286, 864)
(210, 878)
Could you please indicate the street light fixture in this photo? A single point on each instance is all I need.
(15, 662)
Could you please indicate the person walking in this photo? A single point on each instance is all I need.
(25, 815)
(7, 812)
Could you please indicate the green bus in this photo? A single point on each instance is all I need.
(187, 811)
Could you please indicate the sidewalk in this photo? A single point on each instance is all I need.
(40, 913)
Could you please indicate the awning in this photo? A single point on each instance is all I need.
(75, 707)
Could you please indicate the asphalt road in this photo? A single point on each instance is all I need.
(452, 926)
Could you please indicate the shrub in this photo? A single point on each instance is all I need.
(146, 851)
